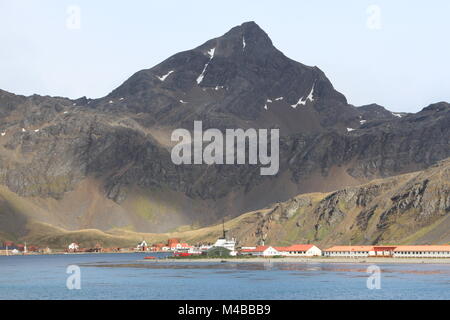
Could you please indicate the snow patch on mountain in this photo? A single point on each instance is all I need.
(164, 77)
(267, 102)
(311, 93)
(302, 101)
(211, 56)
(211, 53)
(202, 75)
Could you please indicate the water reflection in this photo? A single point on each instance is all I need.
(267, 266)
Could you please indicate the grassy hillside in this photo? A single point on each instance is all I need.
(406, 209)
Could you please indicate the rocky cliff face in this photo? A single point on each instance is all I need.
(118, 147)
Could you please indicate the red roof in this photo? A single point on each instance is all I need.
(422, 248)
(295, 247)
(173, 241)
(299, 247)
(384, 248)
(419, 248)
(261, 248)
(180, 245)
(349, 248)
(159, 245)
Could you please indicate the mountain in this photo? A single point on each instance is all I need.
(105, 163)
(237, 80)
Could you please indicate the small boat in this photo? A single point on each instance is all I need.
(150, 257)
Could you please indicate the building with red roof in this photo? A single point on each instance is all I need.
(349, 251)
(300, 250)
(417, 251)
(262, 251)
(422, 251)
(172, 241)
(297, 250)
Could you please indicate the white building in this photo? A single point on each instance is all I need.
(297, 250)
(73, 246)
(182, 247)
(263, 251)
(422, 251)
(300, 250)
(349, 251)
(143, 246)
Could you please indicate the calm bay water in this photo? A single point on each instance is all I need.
(128, 276)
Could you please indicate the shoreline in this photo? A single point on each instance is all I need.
(362, 260)
(313, 260)
(63, 253)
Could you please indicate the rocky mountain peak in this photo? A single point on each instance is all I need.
(249, 37)
(237, 79)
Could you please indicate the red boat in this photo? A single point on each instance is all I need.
(149, 257)
(182, 254)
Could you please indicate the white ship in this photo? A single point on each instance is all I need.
(223, 242)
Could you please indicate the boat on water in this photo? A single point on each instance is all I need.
(182, 254)
(226, 243)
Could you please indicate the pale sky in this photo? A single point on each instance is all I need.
(394, 53)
